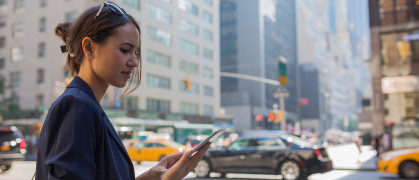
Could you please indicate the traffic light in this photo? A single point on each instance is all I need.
(275, 116)
(282, 71)
(271, 117)
(278, 117)
(187, 83)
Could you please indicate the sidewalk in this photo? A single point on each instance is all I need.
(348, 157)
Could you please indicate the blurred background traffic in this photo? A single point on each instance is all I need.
(341, 75)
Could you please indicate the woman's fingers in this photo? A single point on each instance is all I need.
(172, 159)
(201, 152)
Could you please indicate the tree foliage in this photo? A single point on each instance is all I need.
(9, 105)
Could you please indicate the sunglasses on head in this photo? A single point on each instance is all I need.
(114, 7)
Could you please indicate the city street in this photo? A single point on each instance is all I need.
(25, 169)
(353, 165)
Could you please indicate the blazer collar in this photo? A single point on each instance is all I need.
(77, 82)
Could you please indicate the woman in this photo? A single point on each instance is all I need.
(77, 140)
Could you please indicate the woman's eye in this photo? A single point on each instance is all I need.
(124, 51)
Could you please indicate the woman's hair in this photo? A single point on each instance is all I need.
(98, 29)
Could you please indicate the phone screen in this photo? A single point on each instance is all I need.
(210, 138)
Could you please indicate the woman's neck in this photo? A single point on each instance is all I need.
(98, 87)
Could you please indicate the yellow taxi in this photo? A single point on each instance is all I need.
(153, 150)
(403, 162)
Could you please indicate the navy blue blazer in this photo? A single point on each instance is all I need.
(78, 141)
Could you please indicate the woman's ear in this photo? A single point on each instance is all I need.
(87, 45)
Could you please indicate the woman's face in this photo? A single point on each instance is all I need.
(115, 60)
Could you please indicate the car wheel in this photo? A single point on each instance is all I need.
(162, 157)
(409, 169)
(202, 170)
(5, 167)
(290, 169)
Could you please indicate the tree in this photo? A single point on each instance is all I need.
(9, 106)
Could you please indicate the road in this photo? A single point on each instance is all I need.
(25, 169)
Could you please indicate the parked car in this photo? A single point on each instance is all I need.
(12, 147)
(153, 150)
(288, 155)
(403, 162)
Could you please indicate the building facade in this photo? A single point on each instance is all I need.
(328, 32)
(394, 62)
(254, 35)
(180, 40)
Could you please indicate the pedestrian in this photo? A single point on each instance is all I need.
(77, 140)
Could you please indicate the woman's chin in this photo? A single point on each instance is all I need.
(120, 85)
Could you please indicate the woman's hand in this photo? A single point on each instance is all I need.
(175, 166)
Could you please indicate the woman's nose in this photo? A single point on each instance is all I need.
(133, 62)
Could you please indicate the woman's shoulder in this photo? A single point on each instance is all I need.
(76, 97)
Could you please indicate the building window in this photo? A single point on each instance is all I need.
(208, 91)
(157, 81)
(2, 63)
(43, 3)
(18, 6)
(167, 1)
(188, 47)
(206, 16)
(2, 22)
(3, 2)
(18, 30)
(158, 105)
(70, 16)
(41, 49)
(209, 2)
(208, 110)
(188, 108)
(207, 35)
(2, 42)
(132, 3)
(188, 26)
(194, 87)
(207, 72)
(15, 79)
(16, 53)
(40, 103)
(207, 53)
(42, 24)
(159, 14)
(188, 67)
(66, 72)
(131, 102)
(159, 36)
(40, 76)
(187, 6)
(158, 58)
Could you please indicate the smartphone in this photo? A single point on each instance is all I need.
(210, 138)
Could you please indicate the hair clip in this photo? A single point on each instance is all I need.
(65, 48)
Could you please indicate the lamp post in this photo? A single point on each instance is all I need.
(282, 92)
(326, 95)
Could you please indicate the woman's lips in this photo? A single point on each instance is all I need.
(127, 74)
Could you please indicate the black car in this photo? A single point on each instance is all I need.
(284, 154)
(12, 147)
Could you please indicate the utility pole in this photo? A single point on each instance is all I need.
(282, 92)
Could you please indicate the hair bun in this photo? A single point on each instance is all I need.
(62, 30)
